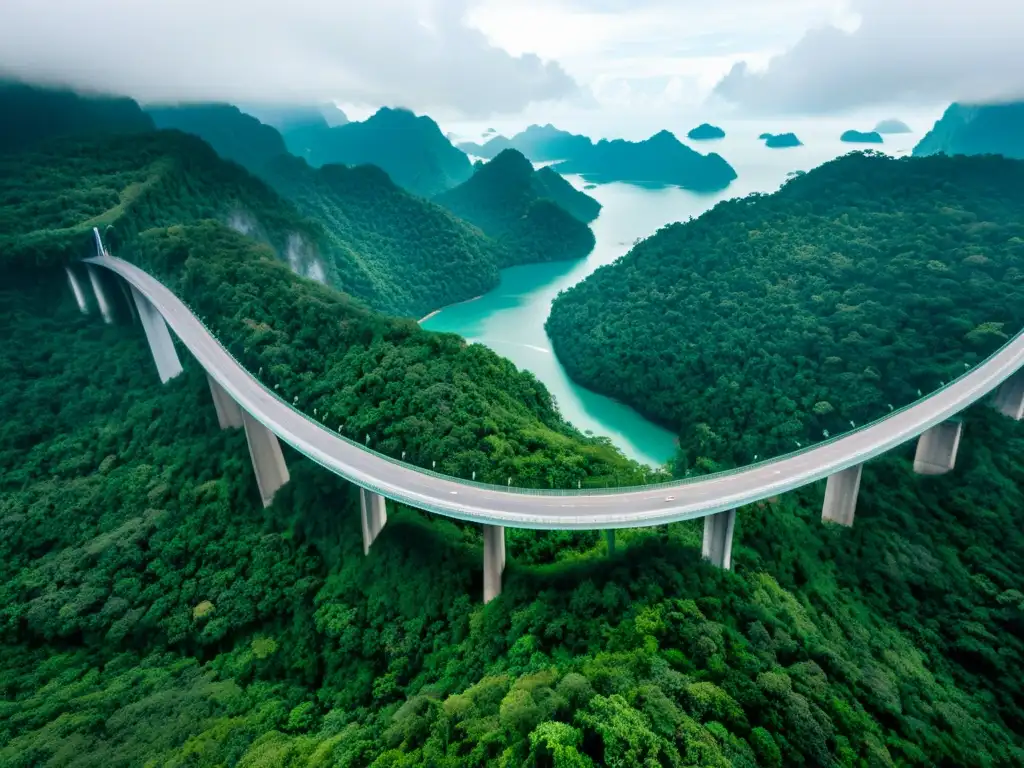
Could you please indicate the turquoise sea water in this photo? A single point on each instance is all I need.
(510, 319)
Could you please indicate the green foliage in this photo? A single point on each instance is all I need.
(32, 115)
(773, 320)
(400, 253)
(430, 396)
(412, 150)
(233, 134)
(152, 612)
(521, 208)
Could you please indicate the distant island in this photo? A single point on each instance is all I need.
(661, 160)
(411, 148)
(892, 126)
(861, 137)
(781, 140)
(706, 131)
(997, 129)
(536, 215)
(539, 143)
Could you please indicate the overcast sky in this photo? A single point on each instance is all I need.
(477, 58)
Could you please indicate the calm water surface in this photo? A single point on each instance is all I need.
(510, 319)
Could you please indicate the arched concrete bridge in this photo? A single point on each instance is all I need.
(241, 400)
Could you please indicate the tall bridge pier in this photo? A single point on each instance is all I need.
(718, 530)
(841, 492)
(373, 514)
(160, 343)
(494, 560)
(267, 459)
(936, 448)
(1009, 399)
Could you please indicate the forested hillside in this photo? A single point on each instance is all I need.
(520, 208)
(32, 115)
(413, 255)
(234, 134)
(963, 129)
(773, 321)
(151, 612)
(411, 148)
(400, 254)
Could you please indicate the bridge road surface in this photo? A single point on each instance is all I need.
(562, 510)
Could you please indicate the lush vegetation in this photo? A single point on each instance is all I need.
(772, 321)
(399, 252)
(862, 137)
(413, 151)
(234, 134)
(996, 129)
(657, 161)
(379, 243)
(705, 131)
(781, 140)
(153, 613)
(523, 210)
(540, 143)
(32, 115)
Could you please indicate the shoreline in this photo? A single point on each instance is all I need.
(448, 306)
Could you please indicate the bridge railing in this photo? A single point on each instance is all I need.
(669, 484)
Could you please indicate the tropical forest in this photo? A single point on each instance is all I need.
(154, 612)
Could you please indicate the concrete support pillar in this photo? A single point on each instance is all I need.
(1009, 399)
(101, 296)
(841, 496)
(229, 413)
(160, 344)
(267, 459)
(609, 536)
(374, 513)
(494, 560)
(936, 448)
(718, 530)
(76, 288)
(129, 301)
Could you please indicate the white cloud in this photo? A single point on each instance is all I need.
(650, 54)
(902, 51)
(416, 53)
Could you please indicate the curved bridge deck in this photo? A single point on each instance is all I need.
(587, 509)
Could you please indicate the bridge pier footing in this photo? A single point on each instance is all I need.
(609, 537)
(1009, 399)
(936, 448)
(101, 296)
(160, 343)
(229, 413)
(494, 560)
(718, 530)
(374, 514)
(841, 492)
(267, 458)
